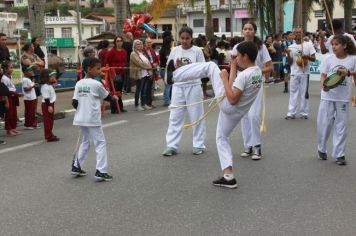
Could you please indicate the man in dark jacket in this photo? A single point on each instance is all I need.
(4, 51)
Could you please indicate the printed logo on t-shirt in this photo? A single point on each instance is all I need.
(185, 61)
(256, 81)
(83, 90)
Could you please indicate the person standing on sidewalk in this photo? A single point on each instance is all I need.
(163, 55)
(128, 46)
(141, 72)
(4, 103)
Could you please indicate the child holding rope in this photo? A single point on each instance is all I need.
(334, 103)
(235, 96)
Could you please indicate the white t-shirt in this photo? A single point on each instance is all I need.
(89, 94)
(262, 57)
(330, 47)
(29, 95)
(8, 82)
(144, 72)
(295, 52)
(330, 64)
(187, 56)
(48, 92)
(249, 82)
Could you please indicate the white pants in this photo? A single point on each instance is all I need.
(182, 95)
(298, 87)
(229, 115)
(96, 135)
(251, 122)
(333, 115)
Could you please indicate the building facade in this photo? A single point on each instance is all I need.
(224, 20)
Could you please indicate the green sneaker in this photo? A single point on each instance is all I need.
(198, 151)
(168, 151)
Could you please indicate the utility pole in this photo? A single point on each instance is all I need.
(79, 25)
(231, 19)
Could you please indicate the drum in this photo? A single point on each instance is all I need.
(333, 80)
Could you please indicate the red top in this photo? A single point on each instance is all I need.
(116, 58)
(151, 55)
(102, 55)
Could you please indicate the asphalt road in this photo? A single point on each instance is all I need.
(288, 192)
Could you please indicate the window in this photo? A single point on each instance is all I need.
(227, 25)
(66, 32)
(216, 25)
(166, 27)
(49, 33)
(318, 13)
(222, 2)
(354, 12)
(198, 23)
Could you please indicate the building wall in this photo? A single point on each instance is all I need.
(20, 3)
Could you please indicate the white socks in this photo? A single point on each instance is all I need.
(228, 176)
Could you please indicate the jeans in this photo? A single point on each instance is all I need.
(167, 89)
(118, 83)
(127, 81)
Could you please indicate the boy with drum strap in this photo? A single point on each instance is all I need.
(334, 103)
(299, 54)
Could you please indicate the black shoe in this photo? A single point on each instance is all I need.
(2, 142)
(53, 139)
(247, 152)
(341, 161)
(222, 182)
(322, 155)
(285, 90)
(305, 117)
(102, 176)
(170, 69)
(123, 110)
(257, 153)
(77, 171)
(290, 117)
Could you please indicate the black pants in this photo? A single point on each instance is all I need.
(143, 91)
(118, 82)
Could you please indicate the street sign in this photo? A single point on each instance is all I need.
(60, 42)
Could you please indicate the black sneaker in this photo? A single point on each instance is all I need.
(2, 142)
(341, 161)
(292, 117)
(222, 182)
(247, 152)
(170, 70)
(285, 90)
(102, 176)
(257, 153)
(322, 155)
(77, 171)
(305, 117)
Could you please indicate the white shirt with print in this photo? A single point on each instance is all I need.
(28, 95)
(330, 64)
(8, 82)
(249, 81)
(90, 94)
(48, 92)
(295, 52)
(187, 56)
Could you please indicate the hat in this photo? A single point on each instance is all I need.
(27, 68)
(83, 43)
(53, 73)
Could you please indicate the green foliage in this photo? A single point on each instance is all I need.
(21, 11)
(142, 7)
(99, 11)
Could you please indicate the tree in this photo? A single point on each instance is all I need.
(121, 11)
(36, 10)
(348, 6)
(265, 10)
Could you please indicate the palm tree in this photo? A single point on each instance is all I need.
(36, 9)
(348, 6)
(122, 12)
(266, 14)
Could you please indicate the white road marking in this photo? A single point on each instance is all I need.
(31, 144)
(157, 113)
(115, 123)
(22, 146)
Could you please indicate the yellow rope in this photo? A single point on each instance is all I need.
(172, 106)
(186, 126)
(353, 98)
(263, 128)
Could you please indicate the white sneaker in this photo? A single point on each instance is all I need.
(247, 152)
(147, 107)
(139, 108)
(28, 128)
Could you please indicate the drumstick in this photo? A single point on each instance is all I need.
(353, 95)
(328, 13)
(263, 128)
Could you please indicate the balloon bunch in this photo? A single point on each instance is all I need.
(138, 24)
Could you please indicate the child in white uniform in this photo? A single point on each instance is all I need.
(334, 103)
(299, 75)
(251, 123)
(29, 98)
(186, 93)
(87, 99)
(240, 95)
